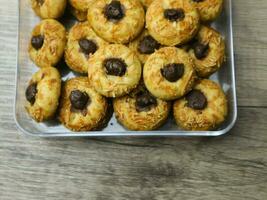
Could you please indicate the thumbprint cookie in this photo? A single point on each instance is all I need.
(81, 107)
(169, 73)
(172, 22)
(117, 21)
(204, 108)
(47, 43)
(141, 111)
(42, 94)
(114, 70)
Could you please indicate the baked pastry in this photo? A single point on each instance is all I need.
(114, 70)
(47, 43)
(49, 9)
(82, 44)
(81, 107)
(169, 73)
(209, 10)
(42, 94)
(141, 111)
(117, 21)
(144, 45)
(202, 109)
(172, 22)
(208, 51)
(79, 8)
(146, 3)
(79, 15)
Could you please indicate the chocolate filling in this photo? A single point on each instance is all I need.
(31, 92)
(115, 66)
(173, 72)
(148, 45)
(79, 100)
(196, 100)
(114, 11)
(201, 50)
(174, 14)
(37, 41)
(145, 102)
(87, 46)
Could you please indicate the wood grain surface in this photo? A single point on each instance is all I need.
(231, 167)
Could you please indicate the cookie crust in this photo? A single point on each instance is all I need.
(79, 8)
(49, 9)
(209, 10)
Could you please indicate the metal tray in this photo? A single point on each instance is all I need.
(25, 69)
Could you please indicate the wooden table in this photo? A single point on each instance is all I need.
(230, 167)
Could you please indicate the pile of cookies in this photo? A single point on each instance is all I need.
(151, 57)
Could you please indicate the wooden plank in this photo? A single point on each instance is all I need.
(250, 26)
(230, 167)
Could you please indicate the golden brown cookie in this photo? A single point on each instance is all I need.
(144, 45)
(114, 70)
(82, 44)
(169, 73)
(209, 10)
(79, 8)
(47, 43)
(117, 21)
(140, 111)
(81, 107)
(202, 109)
(172, 22)
(80, 16)
(146, 3)
(49, 9)
(208, 51)
(42, 94)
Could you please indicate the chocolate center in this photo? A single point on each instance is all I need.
(87, 46)
(31, 92)
(115, 66)
(79, 99)
(148, 45)
(172, 72)
(196, 100)
(174, 14)
(144, 102)
(114, 11)
(201, 50)
(37, 41)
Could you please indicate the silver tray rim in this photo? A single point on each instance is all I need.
(177, 133)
